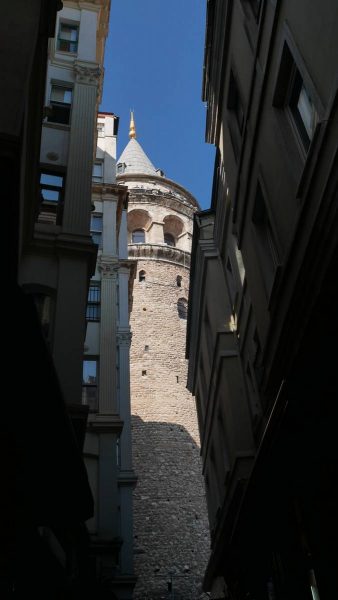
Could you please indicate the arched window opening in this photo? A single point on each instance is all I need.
(169, 239)
(182, 307)
(179, 280)
(142, 276)
(138, 236)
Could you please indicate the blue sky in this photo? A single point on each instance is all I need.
(153, 64)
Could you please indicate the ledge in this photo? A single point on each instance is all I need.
(159, 252)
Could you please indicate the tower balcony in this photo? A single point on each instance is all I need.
(160, 252)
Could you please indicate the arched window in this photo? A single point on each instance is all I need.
(169, 239)
(182, 307)
(138, 236)
(142, 276)
(179, 280)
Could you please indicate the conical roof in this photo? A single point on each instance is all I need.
(136, 160)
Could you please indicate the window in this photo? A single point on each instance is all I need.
(96, 226)
(51, 197)
(120, 168)
(295, 93)
(265, 239)
(169, 239)
(240, 264)
(97, 174)
(68, 37)
(138, 236)
(142, 276)
(182, 308)
(60, 102)
(94, 299)
(90, 383)
(100, 129)
(303, 110)
(179, 280)
(235, 103)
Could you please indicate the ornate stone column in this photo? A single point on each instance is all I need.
(108, 402)
(76, 214)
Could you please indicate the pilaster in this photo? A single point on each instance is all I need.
(76, 213)
(123, 340)
(107, 395)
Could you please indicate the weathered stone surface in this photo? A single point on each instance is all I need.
(171, 531)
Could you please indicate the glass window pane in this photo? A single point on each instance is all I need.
(307, 111)
(94, 293)
(50, 195)
(49, 179)
(96, 223)
(138, 236)
(97, 170)
(61, 94)
(97, 238)
(69, 32)
(89, 372)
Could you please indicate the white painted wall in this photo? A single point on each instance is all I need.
(87, 37)
(54, 139)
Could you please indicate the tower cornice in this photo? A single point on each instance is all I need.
(158, 180)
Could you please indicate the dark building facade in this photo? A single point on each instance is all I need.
(263, 294)
(46, 497)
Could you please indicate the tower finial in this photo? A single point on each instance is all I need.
(132, 130)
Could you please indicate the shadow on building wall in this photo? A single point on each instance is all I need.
(171, 533)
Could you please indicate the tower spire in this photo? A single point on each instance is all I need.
(132, 130)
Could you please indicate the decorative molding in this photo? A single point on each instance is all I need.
(139, 196)
(175, 188)
(160, 252)
(107, 268)
(89, 75)
(124, 338)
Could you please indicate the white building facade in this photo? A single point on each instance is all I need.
(60, 258)
(106, 388)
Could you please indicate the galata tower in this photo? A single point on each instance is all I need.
(171, 534)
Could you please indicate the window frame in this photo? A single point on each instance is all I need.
(138, 230)
(266, 243)
(292, 74)
(54, 207)
(93, 309)
(236, 112)
(92, 404)
(57, 109)
(72, 25)
(97, 232)
(97, 178)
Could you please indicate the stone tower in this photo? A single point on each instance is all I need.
(171, 539)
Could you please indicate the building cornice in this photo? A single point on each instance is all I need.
(105, 423)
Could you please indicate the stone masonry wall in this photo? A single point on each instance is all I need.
(171, 533)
